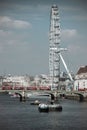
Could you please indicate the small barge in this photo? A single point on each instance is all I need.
(49, 107)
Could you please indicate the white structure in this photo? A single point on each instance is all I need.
(55, 50)
(81, 79)
(16, 81)
(54, 38)
(44, 80)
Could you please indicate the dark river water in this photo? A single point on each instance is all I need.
(15, 115)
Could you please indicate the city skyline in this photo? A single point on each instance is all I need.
(24, 35)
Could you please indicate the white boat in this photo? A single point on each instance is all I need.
(36, 102)
(43, 107)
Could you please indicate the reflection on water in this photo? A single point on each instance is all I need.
(15, 115)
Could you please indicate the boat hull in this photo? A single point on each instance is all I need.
(55, 107)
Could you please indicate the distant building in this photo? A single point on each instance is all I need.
(1, 80)
(40, 82)
(15, 82)
(62, 83)
(81, 79)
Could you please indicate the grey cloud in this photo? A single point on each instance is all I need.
(11, 23)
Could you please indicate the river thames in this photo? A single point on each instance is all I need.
(15, 115)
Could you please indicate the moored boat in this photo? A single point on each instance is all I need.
(49, 107)
(43, 107)
(36, 102)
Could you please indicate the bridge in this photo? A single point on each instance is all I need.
(29, 93)
(52, 93)
(78, 95)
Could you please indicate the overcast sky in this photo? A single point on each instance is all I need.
(24, 29)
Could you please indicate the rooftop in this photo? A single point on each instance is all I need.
(82, 69)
